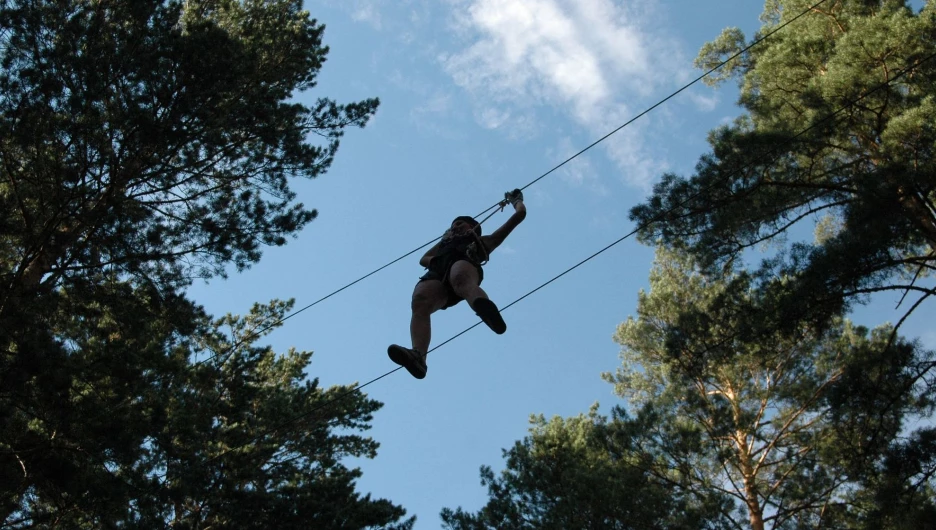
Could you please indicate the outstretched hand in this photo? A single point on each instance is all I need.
(513, 197)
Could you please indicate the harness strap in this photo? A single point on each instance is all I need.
(480, 244)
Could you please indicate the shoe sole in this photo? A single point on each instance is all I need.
(401, 356)
(489, 314)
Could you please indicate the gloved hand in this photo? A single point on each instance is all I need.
(513, 197)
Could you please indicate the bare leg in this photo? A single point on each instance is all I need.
(464, 279)
(428, 297)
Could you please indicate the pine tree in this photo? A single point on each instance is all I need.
(838, 125)
(563, 475)
(801, 429)
(142, 145)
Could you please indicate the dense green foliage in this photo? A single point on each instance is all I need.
(801, 429)
(564, 475)
(839, 121)
(237, 439)
(142, 144)
(809, 429)
(751, 402)
(156, 138)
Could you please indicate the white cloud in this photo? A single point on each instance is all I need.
(703, 102)
(364, 11)
(437, 104)
(401, 17)
(408, 83)
(578, 172)
(538, 197)
(430, 116)
(593, 60)
(491, 117)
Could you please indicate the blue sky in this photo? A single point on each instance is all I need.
(479, 97)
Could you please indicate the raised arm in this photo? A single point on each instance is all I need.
(498, 236)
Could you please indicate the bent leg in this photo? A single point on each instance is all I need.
(463, 277)
(428, 297)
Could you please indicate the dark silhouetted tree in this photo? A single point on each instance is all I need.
(144, 144)
(838, 125)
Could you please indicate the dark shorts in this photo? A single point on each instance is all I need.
(439, 269)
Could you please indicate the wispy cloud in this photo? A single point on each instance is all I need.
(401, 17)
(703, 101)
(367, 12)
(428, 116)
(578, 172)
(594, 60)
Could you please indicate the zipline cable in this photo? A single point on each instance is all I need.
(537, 179)
(582, 262)
(322, 299)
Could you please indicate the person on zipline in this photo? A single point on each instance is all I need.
(454, 275)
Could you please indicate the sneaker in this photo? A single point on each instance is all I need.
(489, 314)
(412, 360)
